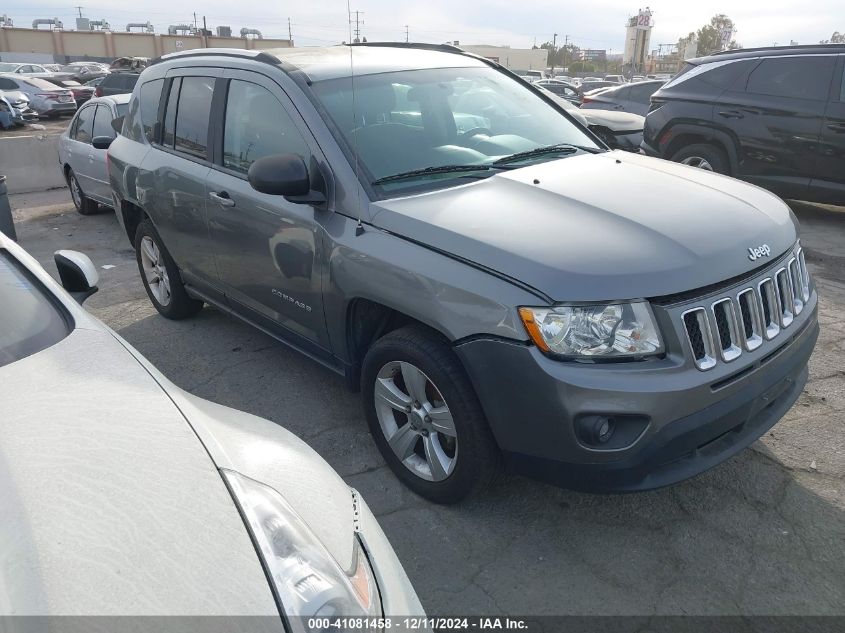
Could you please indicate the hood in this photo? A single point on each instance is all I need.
(110, 504)
(614, 121)
(597, 227)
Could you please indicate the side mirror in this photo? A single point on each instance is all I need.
(101, 142)
(284, 175)
(117, 124)
(77, 273)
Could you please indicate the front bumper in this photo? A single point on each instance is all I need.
(692, 420)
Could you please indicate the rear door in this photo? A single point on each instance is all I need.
(267, 249)
(828, 183)
(178, 168)
(777, 117)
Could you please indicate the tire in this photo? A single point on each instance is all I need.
(83, 204)
(161, 277)
(444, 467)
(703, 156)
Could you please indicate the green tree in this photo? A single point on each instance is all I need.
(836, 38)
(710, 35)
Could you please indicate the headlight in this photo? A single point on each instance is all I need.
(594, 331)
(308, 581)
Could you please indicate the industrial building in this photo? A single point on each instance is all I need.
(637, 39)
(512, 58)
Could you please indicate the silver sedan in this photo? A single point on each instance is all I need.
(82, 151)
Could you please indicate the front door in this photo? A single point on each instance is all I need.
(267, 249)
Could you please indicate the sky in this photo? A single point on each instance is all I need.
(519, 24)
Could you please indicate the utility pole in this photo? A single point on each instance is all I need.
(290, 37)
(358, 23)
(80, 10)
(565, 49)
(204, 33)
(554, 52)
(195, 20)
(406, 34)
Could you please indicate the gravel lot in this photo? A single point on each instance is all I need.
(761, 534)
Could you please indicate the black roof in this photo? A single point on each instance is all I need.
(771, 51)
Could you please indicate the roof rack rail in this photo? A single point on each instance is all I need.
(259, 56)
(446, 48)
(762, 49)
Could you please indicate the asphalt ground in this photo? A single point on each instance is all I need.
(762, 534)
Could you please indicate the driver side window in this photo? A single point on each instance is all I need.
(257, 125)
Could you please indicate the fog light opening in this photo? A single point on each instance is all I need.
(596, 429)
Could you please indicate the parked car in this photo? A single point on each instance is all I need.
(129, 64)
(82, 152)
(116, 83)
(587, 86)
(513, 293)
(53, 68)
(617, 79)
(772, 116)
(561, 89)
(637, 78)
(28, 70)
(124, 495)
(45, 98)
(633, 97)
(85, 71)
(17, 105)
(618, 130)
(81, 93)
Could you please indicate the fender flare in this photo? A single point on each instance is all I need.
(708, 133)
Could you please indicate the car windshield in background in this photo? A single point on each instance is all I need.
(30, 322)
(7, 68)
(417, 119)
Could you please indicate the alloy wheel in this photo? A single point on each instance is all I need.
(416, 421)
(697, 161)
(155, 271)
(75, 192)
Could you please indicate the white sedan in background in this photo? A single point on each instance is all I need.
(121, 494)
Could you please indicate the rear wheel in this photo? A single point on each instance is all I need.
(83, 204)
(161, 277)
(703, 156)
(425, 417)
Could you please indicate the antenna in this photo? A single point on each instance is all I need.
(359, 228)
(358, 22)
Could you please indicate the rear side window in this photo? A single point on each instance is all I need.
(148, 102)
(806, 77)
(84, 129)
(192, 114)
(256, 126)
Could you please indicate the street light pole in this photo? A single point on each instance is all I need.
(554, 52)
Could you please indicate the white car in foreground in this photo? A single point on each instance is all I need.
(121, 494)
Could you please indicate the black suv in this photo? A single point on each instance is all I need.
(772, 116)
(118, 83)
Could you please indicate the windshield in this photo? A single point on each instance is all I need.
(7, 68)
(416, 119)
(30, 321)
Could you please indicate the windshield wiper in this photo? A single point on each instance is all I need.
(426, 171)
(558, 148)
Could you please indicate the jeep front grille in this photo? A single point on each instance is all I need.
(733, 325)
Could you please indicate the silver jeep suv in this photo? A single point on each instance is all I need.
(501, 287)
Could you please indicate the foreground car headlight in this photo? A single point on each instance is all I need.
(308, 580)
(594, 331)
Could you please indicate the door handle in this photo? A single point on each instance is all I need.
(731, 114)
(839, 128)
(221, 198)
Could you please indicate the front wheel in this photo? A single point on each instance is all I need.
(425, 417)
(161, 277)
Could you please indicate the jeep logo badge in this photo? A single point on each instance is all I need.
(760, 251)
